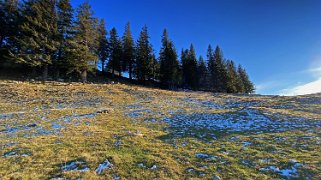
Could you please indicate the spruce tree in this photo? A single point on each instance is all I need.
(82, 54)
(217, 69)
(184, 69)
(155, 69)
(39, 34)
(128, 56)
(114, 52)
(211, 68)
(189, 65)
(65, 24)
(9, 15)
(9, 20)
(202, 74)
(144, 56)
(248, 85)
(103, 44)
(168, 62)
(193, 80)
(232, 77)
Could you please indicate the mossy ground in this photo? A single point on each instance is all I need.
(43, 127)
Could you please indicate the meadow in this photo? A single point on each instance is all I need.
(115, 131)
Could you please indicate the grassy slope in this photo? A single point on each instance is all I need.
(45, 127)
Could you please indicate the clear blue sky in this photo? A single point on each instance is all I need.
(277, 41)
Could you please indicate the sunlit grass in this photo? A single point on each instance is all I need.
(43, 127)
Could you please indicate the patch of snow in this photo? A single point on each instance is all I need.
(105, 165)
(75, 166)
(153, 167)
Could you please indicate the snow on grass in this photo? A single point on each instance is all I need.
(78, 166)
(105, 165)
(244, 120)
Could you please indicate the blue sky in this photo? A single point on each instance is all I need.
(277, 41)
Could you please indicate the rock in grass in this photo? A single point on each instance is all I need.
(105, 111)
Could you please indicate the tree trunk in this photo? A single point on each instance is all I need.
(45, 72)
(113, 73)
(84, 76)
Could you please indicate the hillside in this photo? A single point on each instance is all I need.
(115, 131)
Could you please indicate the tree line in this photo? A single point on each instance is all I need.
(64, 42)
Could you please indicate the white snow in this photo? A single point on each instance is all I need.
(105, 165)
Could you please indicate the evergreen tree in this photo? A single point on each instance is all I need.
(9, 20)
(115, 52)
(155, 68)
(189, 65)
(211, 67)
(39, 34)
(9, 14)
(168, 62)
(217, 69)
(103, 44)
(144, 56)
(202, 74)
(232, 77)
(184, 68)
(82, 54)
(128, 56)
(247, 84)
(65, 24)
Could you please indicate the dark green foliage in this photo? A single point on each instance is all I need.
(115, 53)
(128, 56)
(232, 77)
(46, 34)
(202, 74)
(155, 69)
(244, 78)
(103, 44)
(9, 14)
(65, 24)
(82, 55)
(9, 22)
(144, 57)
(39, 34)
(189, 65)
(217, 69)
(168, 63)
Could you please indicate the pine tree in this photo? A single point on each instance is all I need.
(144, 57)
(247, 84)
(128, 55)
(39, 34)
(103, 44)
(168, 62)
(115, 53)
(65, 24)
(202, 74)
(82, 55)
